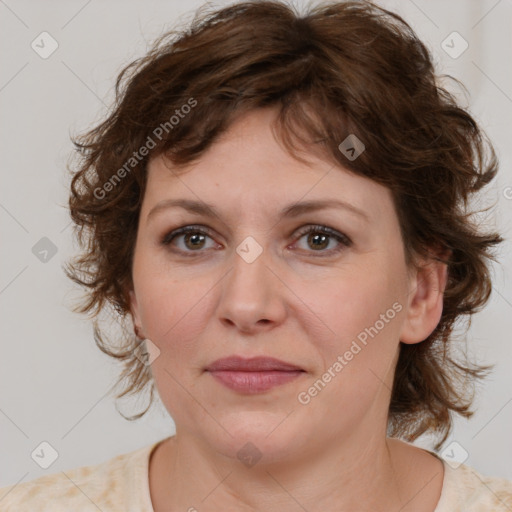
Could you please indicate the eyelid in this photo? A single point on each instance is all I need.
(323, 229)
(343, 240)
(194, 228)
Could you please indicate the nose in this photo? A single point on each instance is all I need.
(252, 297)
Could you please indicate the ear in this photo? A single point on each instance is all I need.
(425, 300)
(134, 309)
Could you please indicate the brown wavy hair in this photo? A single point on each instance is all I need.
(340, 68)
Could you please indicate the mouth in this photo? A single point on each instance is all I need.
(254, 375)
(253, 364)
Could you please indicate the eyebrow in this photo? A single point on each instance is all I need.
(290, 211)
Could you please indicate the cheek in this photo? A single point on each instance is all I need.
(174, 314)
(172, 311)
(342, 305)
(170, 301)
(357, 316)
(355, 332)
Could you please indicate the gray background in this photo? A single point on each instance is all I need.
(53, 379)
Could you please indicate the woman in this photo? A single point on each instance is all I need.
(277, 208)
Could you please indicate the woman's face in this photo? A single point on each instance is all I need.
(257, 284)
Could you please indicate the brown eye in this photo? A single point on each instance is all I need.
(320, 237)
(318, 240)
(194, 239)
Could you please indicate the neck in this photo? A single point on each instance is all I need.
(341, 477)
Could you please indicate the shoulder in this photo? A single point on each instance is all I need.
(467, 488)
(110, 485)
(463, 488)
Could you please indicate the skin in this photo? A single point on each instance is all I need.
(296, 302)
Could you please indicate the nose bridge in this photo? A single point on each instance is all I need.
(249, 292)
(250, 274)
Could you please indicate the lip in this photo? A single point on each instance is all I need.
(254, 375)
(253, 364)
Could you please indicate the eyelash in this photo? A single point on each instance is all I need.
(341, 238)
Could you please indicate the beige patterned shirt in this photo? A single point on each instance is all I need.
(122, 484)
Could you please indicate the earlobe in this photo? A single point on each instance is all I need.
(424, 302)
(134, 310)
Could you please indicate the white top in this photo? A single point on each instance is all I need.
(122, 484)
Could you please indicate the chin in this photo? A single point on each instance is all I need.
(258, 437)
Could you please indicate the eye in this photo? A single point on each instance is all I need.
(320, 236)
(194, 238)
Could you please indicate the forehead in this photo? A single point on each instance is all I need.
(248, 169)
